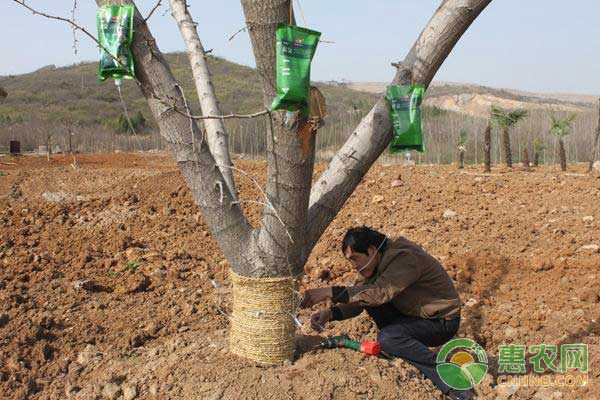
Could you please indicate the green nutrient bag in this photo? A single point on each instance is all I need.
(115, 34)
(404, 104)
(294, 52)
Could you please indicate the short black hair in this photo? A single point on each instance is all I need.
(360, 238)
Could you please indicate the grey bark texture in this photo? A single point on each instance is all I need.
(276, 249)
(218, 139)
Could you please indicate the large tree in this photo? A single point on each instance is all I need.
(295, 214)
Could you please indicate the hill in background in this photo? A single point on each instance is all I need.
(69, 107)
(476, 99)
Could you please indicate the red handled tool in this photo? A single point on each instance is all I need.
(369, 347)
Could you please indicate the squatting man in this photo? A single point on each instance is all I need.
(407, 293)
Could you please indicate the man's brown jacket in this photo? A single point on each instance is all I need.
(411, 279)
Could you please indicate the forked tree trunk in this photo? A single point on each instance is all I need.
(562, 154)
(294, 216)
(507, 150)
(595, 149)
(487, 149)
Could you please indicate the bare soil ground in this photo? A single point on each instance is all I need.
(105, 279)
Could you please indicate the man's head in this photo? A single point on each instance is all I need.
(363, 248)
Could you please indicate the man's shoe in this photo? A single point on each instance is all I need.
(454, 394)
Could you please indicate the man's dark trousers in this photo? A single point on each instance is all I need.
(409, 338)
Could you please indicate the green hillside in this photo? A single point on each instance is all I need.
(54, 94)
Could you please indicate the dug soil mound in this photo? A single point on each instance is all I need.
(112, 287)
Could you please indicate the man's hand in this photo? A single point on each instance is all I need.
(319, 319)
(315, 296)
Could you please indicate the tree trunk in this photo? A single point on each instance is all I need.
(507, 150)
(525, 158)
(48, 148)
(536, 158)
(461, 159)
(277, 247)
(595, 149)
(562, 154)
(487, 137)
(218, 139)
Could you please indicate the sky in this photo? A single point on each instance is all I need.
(546, 46)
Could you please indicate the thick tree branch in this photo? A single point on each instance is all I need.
(374, 132)
(218, 140)
(225, 218)
(289, 173)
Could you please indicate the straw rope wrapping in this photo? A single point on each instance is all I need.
(262, 325)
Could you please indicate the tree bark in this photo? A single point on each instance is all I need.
(225, 219)
(562, 154)
(596, 141)
(218, 139)
(507, 150)
(525, 158)
(277, 247)
(374, 132)
(487, 137)
(461, 159)
(536, 158)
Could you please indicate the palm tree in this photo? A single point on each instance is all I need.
(561, 128)
(596, 140)
(538, 147)
(487, 138)
(460, 146)
(525, 158)
(505, 120)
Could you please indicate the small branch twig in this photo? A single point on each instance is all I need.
(70, 22)
(239, 31)
(73, 24)
(158, 3)
(73, 10)
(221, 117)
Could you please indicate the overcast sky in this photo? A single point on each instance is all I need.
(534, 45)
